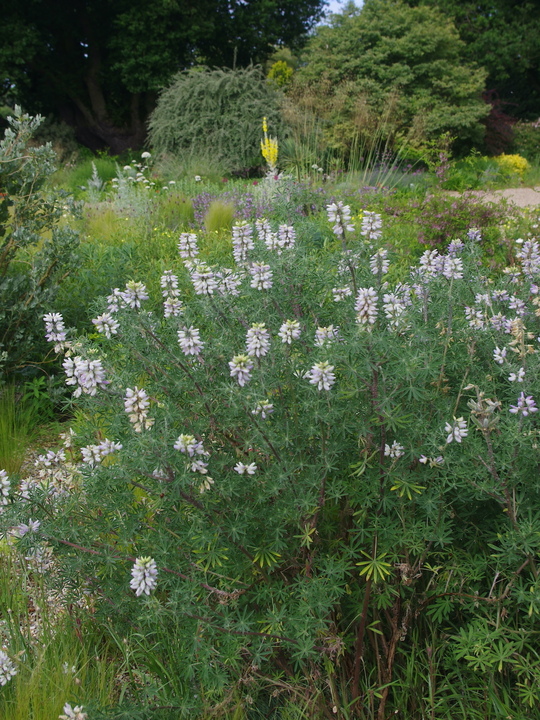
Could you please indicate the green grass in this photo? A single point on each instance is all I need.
(65, 660)
(18, 428)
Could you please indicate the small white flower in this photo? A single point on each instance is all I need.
(106, 324)
(395, 450)
(144, 574)
(321, 375)
(75, 713)
(289, 331)
(341, 293)
(366, 306)
(499, 355)
(242, 241)
(187, 247)
(257, 340)
(340, 215)
(517, 377)
(379, 263)
(190, 340)
(326, 335)
(172, 307)
(169, 284)
(5, 486)
(31, 526)
(136, 404)
(146, 155)
(264, 409)
(189, 445)
(371, 226)
(7, 668)
(134, 294)
(241, 367)
(456, 430)
(203, 279)
(55, 328)
(525, 406)
(261, 276)
(243, 469)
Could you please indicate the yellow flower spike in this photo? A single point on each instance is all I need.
(264, 126)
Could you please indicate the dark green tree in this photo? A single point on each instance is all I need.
(98, 64)
(393, 61)
(503, 36)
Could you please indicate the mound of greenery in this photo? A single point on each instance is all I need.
(219, 111)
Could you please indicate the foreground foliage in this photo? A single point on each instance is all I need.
(299, 481)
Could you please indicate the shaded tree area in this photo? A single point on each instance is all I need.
(394, 69)
(503, 36)
(98, 65)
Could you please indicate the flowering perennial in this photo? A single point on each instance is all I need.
(241, 367)
(525, 405)
(242, 469)
(106, 324)
(321, 375)
(93, 454)
(257, 340)
(261, 276)
(136, 404)
(187, 247)
(190, 340)
(379, 263)
(88, 375)
(371, 226)
(242, 241)
(366, 306)
(325, 335)
(456, 430)
(5, 486)
(7, 668)
(340, 215)
(144, 574)
(289, 331)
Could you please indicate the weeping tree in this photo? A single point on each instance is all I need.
(217, 111)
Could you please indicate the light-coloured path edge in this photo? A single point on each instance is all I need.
(521, 197)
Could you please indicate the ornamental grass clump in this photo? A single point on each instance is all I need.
(300, 476)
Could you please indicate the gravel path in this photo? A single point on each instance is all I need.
(521, 197)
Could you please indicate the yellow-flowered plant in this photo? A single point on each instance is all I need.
(512, 164)
(269, 148)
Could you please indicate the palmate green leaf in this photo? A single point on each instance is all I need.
(375, 569)
(406, 487)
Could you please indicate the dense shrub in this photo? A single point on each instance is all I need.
(217, 111)
(395, 62)
(37, 249)
(298, 477)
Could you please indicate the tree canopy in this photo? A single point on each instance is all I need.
(388, 58)
(503, 36)
(99, 64)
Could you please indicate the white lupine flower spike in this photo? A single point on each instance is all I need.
(144, 576)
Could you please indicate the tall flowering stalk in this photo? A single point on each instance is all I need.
(269, 149)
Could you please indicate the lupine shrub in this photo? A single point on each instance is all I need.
(297, 483)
